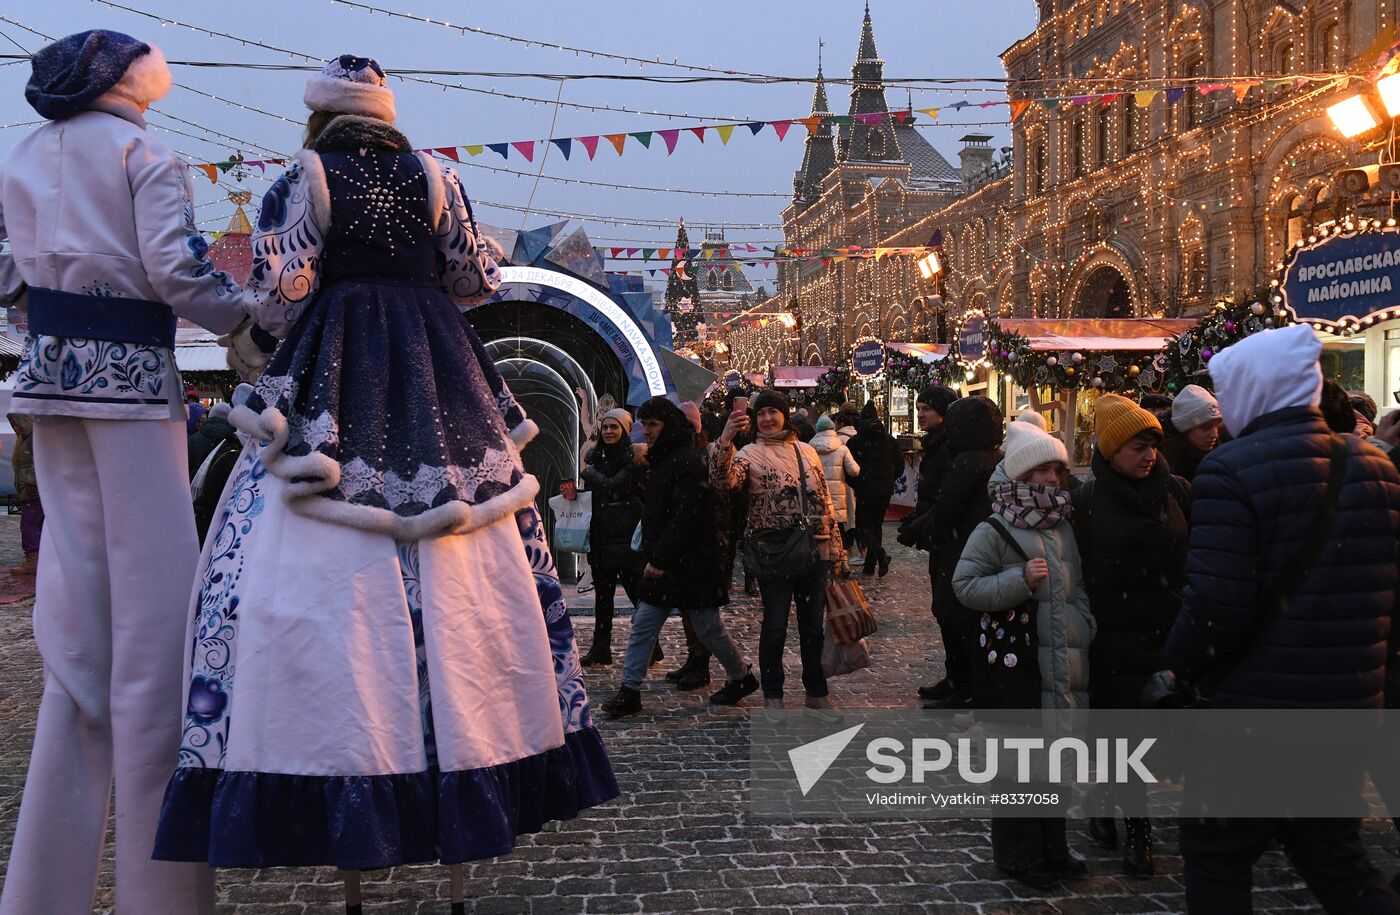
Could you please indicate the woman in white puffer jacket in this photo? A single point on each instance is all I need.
(838, 465)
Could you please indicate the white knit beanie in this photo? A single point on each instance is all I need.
(351, 85)
(1028, 446)
(1032, 417)
(1194, 406)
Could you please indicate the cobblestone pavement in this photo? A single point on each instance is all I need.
(680, 838)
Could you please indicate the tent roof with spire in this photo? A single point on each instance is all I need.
(886, 141)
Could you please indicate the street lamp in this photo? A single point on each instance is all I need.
(930, 265)
(1354, 115)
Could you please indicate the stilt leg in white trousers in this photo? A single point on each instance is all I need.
(115, 570)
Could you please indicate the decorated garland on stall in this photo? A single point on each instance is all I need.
(715, 401)
(1186, 358)
(1119, 372)
(831, 388)
(915, 374)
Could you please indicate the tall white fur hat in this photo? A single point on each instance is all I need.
(1028, 446)
(351, 85)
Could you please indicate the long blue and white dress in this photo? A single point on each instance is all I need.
(382, 667)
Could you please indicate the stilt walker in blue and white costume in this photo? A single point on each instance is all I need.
(382, 667)
(101, 227)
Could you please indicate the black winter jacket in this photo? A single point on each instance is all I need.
(206, 438)
(680, 533)
(617, 482)
(880, 458)
(1132, 536)
(1254, 502)
(937, 459)
(962, 501)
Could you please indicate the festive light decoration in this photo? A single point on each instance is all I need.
(1184, 360)
(832, 388)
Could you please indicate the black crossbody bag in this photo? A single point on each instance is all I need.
(784, 553)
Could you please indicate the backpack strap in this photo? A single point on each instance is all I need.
(1297, 572)
(1006, 535)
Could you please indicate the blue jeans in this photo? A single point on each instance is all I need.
(809, 593)
(709, 626)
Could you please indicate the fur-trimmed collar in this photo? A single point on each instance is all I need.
(351, 131)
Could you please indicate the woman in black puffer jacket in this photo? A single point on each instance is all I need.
(1131, 525)
(974, 432)
(617, 480)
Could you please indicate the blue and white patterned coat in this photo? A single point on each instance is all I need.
(95, 205)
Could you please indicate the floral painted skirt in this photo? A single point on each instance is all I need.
(363, 703)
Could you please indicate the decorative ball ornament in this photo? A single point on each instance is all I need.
(1052, 361)
(1229, 327)
(1096, 382)
(1257, 308)
(1206, 354)
(1077, 358)
(1134, 371)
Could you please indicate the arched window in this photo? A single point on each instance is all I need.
(712, 281)
(1283, 58)
(1297, 221)
(1129, 123)
(1329, 51)
(1190, 105)
(1038, 169)
(1077, 148)
(1105, 135)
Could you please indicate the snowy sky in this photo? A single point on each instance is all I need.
(916, 38)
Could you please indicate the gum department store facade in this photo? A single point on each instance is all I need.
(1099, 210)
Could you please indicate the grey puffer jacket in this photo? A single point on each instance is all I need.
(990, 577)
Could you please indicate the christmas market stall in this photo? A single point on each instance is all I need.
(1344, 281)
(891, 374)
(1053, 361)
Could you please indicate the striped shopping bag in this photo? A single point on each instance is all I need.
(848, 612)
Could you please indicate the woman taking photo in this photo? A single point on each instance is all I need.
(791, 539)
(1130, 521)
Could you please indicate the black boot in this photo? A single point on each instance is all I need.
(600, 655)
(628, 701)
(1104, 831)
(884, 563)
(657, 655)
(674, 676)
(698, 675)
(1137, 849)
(940, 690)
(733, 692)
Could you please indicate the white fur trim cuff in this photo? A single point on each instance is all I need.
(524, 434)
(312, 474)
(326, 93)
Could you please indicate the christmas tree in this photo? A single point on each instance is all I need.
(683, 294)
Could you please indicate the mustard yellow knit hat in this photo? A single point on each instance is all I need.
(1117, 420)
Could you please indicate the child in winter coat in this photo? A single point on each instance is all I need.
(1031, 509)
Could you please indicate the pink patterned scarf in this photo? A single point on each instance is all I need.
(1030, 505)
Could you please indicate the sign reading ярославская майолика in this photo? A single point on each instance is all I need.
(1345, 279)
